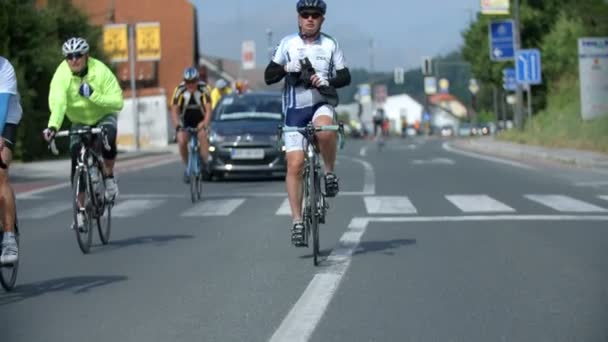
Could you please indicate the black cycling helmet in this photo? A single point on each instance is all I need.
(317, 5)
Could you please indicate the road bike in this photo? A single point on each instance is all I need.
(315, 205)
(88, 186)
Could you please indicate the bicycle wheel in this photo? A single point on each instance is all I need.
(84, 235)
(314, 215)
(8, 272)
(103, 211)
(199, 181)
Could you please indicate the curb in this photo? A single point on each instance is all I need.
(527, 152)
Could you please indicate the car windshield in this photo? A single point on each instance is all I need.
(249, 107)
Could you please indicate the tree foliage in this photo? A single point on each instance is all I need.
(31, 39)
(553, 26)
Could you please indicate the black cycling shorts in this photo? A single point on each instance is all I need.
(10, 135)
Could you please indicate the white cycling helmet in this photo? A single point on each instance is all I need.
(221, 83)
(75, 45)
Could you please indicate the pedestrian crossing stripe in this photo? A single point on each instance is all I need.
(374, 205)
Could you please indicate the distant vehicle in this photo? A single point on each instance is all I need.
(447, 131)
(411, 131)
(480, 129)
(243, 135)
(464, 129)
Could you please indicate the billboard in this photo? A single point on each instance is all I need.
(593, 75)
(116, 42)
(248, 54)
(494, 7)
(148, 41)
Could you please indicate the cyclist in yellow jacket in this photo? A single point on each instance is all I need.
(221, 88)
(88, 93)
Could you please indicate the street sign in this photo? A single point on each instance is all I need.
(248, 54)
(528, 66)
(399, 75)
(148, 41)
(502, 40)
(444, 85)
(473, 86)
(430, 85)
(494, 7)
(508, 79)
(115, 42)
(427, 66)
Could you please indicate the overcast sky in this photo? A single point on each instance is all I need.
(403, 31)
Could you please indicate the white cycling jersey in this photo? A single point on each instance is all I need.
(8, 84)
(299, 103)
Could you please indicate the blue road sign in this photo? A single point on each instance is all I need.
(528, 66)
(502, 40)
(508, 79)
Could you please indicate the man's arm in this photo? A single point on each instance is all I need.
(342, 78)
(175, 108)
(274, 73)
(110, 97)
(57, 98)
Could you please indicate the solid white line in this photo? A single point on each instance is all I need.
(223, 195)
(598, 183)
(489, 218)
(434, 161)
(604, 197)
(565, 203)
(369, 186)
(284, 209)
(449, 148)
(302, 319)
(478, 204)
(45, 211)
(389, 205)
(216, 207)
(131, 208)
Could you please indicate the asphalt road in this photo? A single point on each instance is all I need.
(422, 244)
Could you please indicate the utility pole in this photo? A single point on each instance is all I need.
(134, 101)
(518, 92)
(269, 36)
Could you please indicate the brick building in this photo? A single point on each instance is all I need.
(179, 39)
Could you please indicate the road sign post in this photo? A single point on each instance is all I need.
(528, 72)
(509, 82)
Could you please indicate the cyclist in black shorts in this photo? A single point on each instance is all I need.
(191, 107)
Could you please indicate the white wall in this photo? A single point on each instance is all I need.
(153, 123)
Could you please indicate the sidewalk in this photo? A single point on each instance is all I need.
(59, 168)
(578, 158)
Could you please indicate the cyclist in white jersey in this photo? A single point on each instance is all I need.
(313, 67)
(10, 116)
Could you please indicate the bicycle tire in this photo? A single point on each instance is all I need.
(104, 214)
(8, 273)
(199, 181)
(314, 217)
(84, 237)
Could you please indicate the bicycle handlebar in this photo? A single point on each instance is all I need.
(80, 131)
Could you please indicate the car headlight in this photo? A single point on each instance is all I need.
(215, 138)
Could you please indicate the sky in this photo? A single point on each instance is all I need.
(403, 31)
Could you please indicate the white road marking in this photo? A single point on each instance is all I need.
(369, 185)
(447, 147)
(363, 151)
(592, 183)
(284, 209)
(565, 203)
(478, 204)
(389, 205)
(302, 319)
(434, 161)
(45, 210)
(131, 208)
(604, 197)
(486, 218)
(216, 207)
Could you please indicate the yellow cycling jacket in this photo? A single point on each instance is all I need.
(64, 98)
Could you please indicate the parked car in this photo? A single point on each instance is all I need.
(243, 135)
(447, 131)
(480, 129)
(464, 129)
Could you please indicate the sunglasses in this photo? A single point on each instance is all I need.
(314, 15)
(72, 56)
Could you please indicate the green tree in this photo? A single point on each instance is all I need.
(31, 39)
